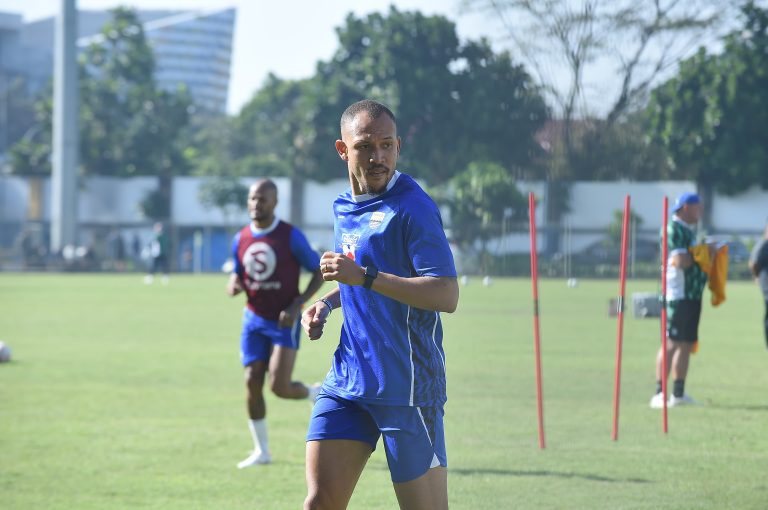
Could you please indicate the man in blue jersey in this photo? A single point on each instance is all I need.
(269, 254)
(395, 274)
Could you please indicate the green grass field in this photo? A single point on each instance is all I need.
(127, 396)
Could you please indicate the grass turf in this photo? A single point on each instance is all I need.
(123, 395)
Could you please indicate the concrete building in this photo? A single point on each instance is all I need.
(193, 48)
(20, 73)
(109, 205)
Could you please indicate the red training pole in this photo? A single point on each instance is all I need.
(536, 333)
(620, 316)
(664, 255)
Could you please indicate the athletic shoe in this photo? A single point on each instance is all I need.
(657, 401)
(254, 459)
(685, 400)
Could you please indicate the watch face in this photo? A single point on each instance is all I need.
(370, 274)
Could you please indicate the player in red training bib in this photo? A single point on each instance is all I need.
(268, 255)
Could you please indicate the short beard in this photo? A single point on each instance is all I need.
(369, 191)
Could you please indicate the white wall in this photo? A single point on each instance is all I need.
(103, 200)
(108, 200)
(318, 211)
(188, 211)
(594, 203)
(318, 201)
(745, 212)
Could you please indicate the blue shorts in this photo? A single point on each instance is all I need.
(414, 438)
(259, 335)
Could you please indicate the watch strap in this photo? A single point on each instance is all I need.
(371, 272)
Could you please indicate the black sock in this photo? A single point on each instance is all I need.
(658, 387)
(679, 388)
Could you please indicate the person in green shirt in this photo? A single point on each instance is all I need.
(685, 286)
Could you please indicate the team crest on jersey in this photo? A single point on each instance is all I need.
(376, 219)
(259, 261)
(349, 244)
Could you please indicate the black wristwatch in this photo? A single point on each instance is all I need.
(370, 274)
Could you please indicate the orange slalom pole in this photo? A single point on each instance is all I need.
(664, 361)
(536, 331)
(620, 316)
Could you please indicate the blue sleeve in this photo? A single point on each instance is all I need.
(425, 239)
(238, 264)
(307, 257)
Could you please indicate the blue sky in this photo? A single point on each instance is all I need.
(284, 38)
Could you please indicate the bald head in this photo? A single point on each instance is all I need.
(374, 109)
(265, 185)
(262, 200)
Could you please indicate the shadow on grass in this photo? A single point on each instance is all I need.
(555, 474)
(732, 407)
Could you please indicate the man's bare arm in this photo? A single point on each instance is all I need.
(426, 292)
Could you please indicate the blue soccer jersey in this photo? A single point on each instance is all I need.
(390, 353)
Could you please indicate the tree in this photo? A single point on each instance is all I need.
(621, 151)
(17, 112)
(264, 135)
(711, 116)
(128, 125)
(225, 193)
(640, 39)
(454, 103)
(571, 40)
(616, 227)
(481, 200)
(275, 134)
(31, 155)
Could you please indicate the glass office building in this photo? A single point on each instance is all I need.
(193, 48)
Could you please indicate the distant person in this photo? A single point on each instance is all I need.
(268, 256)
(136, 246)
(118, 251)
(158, 254)
(29, 249)
(685, 285)
(395, 274)
(758, 264)
(187, 259)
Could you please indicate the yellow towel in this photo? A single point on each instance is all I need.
(718, 275)
(700, 254)
(716, 269)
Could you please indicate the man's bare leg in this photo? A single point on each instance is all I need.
(254, 385)
(427, 492)
(280, 372)
(660, 360)
(333, 469)
(681, 359)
